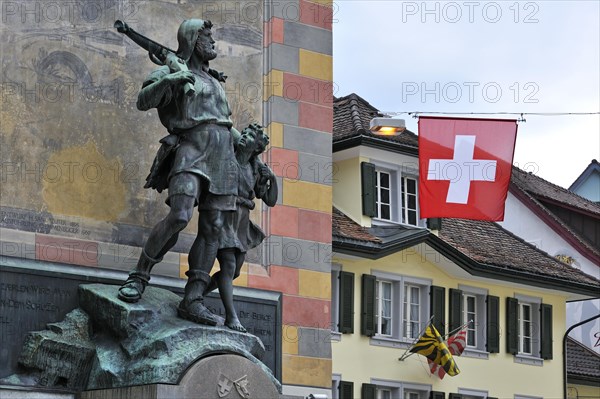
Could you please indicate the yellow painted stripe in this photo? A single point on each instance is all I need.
(316, 65)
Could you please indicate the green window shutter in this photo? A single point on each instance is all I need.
(456, 304)
(434, 223)
(437, 395)
(368, 391)
(367, 325)
(346, 312)
(437, 308)
(492, 330)
(346, 390)
(512, 325)
(369, 190)
(546, 331)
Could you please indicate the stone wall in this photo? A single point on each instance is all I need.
(75, 151)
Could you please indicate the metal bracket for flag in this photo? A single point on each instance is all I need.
(404, 355)
(457, 329)
(415, 115)
(521, 119)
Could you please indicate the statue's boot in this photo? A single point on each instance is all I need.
(192, 307)
(131, 291)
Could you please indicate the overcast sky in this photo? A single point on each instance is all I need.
(481, 56)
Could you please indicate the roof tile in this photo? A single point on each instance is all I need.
(582, 361)
(345, 227)
(351, 118)
(488, 243)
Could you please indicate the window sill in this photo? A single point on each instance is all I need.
(336, 336)
(530, 360)
(475, 353)
(389, 342)
(385, 222)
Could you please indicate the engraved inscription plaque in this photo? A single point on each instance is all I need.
(39, 293)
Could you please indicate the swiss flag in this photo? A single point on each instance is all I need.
(465, 167)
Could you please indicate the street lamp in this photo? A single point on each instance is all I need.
(387, 126)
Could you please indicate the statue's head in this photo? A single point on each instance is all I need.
(255, 136)
(196, 35)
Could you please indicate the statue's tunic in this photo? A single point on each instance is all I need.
(205, 144)
(238, 230)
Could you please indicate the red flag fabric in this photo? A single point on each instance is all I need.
(456, 345)
(465, 167)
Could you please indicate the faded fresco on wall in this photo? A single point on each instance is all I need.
(75, 151)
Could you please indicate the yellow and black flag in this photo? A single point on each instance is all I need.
(432, 346)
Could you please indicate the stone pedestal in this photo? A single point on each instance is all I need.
(214, 377)
(119, 349)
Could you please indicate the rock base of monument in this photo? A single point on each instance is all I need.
(214, 377)
(113, 349)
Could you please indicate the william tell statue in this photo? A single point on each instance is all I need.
(204, 162)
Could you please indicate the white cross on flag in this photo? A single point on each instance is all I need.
(465, 166)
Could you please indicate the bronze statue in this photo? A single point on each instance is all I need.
(239, 234)
(198, 165)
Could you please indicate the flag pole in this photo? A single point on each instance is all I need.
(404, 355)
(458, 328)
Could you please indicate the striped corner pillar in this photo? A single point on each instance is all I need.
(298, 112)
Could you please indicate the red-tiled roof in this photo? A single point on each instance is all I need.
(345, 227)
(582, 362)
(352, 115)
(490, 244)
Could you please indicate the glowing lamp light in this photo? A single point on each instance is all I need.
(387, 126)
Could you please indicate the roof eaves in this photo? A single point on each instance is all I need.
(371, 250)
(475, 268)
(373, 142)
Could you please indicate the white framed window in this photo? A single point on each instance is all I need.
(470, 318)
(384, 307)
(474, 314)
(472, 393)
(384, 195)
(387, 389)
(402, 307)
(397, 195)
(383, 393)
(412, 311)
(410, 394)
(525, 329)
(408, 192)
(528, 319)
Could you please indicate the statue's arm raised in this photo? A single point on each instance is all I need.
(158, 92)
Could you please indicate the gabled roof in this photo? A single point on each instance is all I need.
(351, 117)
(481, 248)
(593, 167)
(583, 364)
(536, 193)
(543, 189)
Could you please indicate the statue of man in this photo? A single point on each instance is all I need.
(196, 163)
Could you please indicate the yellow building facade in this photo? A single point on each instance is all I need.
(393, 272)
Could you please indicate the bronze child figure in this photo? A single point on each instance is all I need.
(239, 234)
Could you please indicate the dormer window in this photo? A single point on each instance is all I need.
(390, 195)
